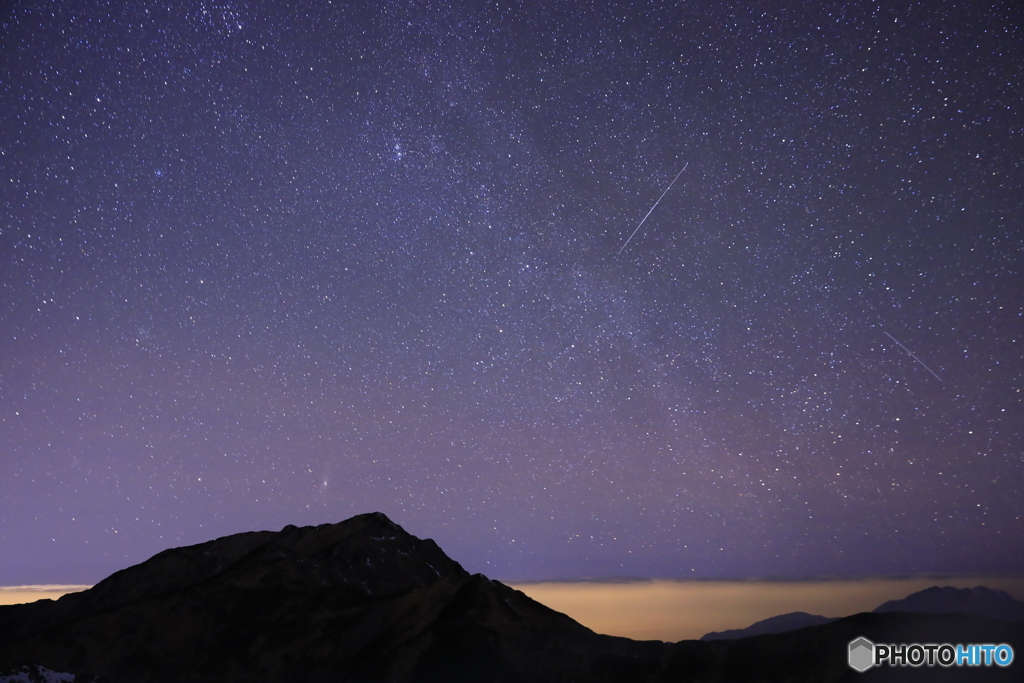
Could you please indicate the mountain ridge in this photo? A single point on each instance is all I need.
(777, 624)
(978, 601)
(363, 600)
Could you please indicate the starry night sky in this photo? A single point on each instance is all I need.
(280, 263)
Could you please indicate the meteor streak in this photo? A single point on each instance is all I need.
(912, 355)
(656, 206)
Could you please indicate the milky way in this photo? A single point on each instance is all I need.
(282, 263)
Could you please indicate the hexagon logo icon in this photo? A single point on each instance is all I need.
(862, 654)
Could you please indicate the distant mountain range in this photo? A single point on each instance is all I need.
(779, 624)
(362, 601)
(979, 601)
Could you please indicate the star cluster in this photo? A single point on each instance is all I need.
(281, 263)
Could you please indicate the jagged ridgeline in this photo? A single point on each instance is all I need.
(362, 600)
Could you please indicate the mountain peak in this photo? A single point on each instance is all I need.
(365, 555)
(979, 601)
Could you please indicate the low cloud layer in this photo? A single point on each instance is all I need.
(14, 595)
(682, 610)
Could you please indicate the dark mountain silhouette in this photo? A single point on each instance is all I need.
(779, 624)
(31, 673)
(979, 601)
(363, 600)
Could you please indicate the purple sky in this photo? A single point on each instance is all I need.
(281, 263)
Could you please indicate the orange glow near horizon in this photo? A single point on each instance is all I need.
(16, 595)
(686, 610)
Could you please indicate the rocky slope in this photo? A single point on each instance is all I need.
(361, 600)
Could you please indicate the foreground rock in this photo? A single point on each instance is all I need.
(363, 600)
